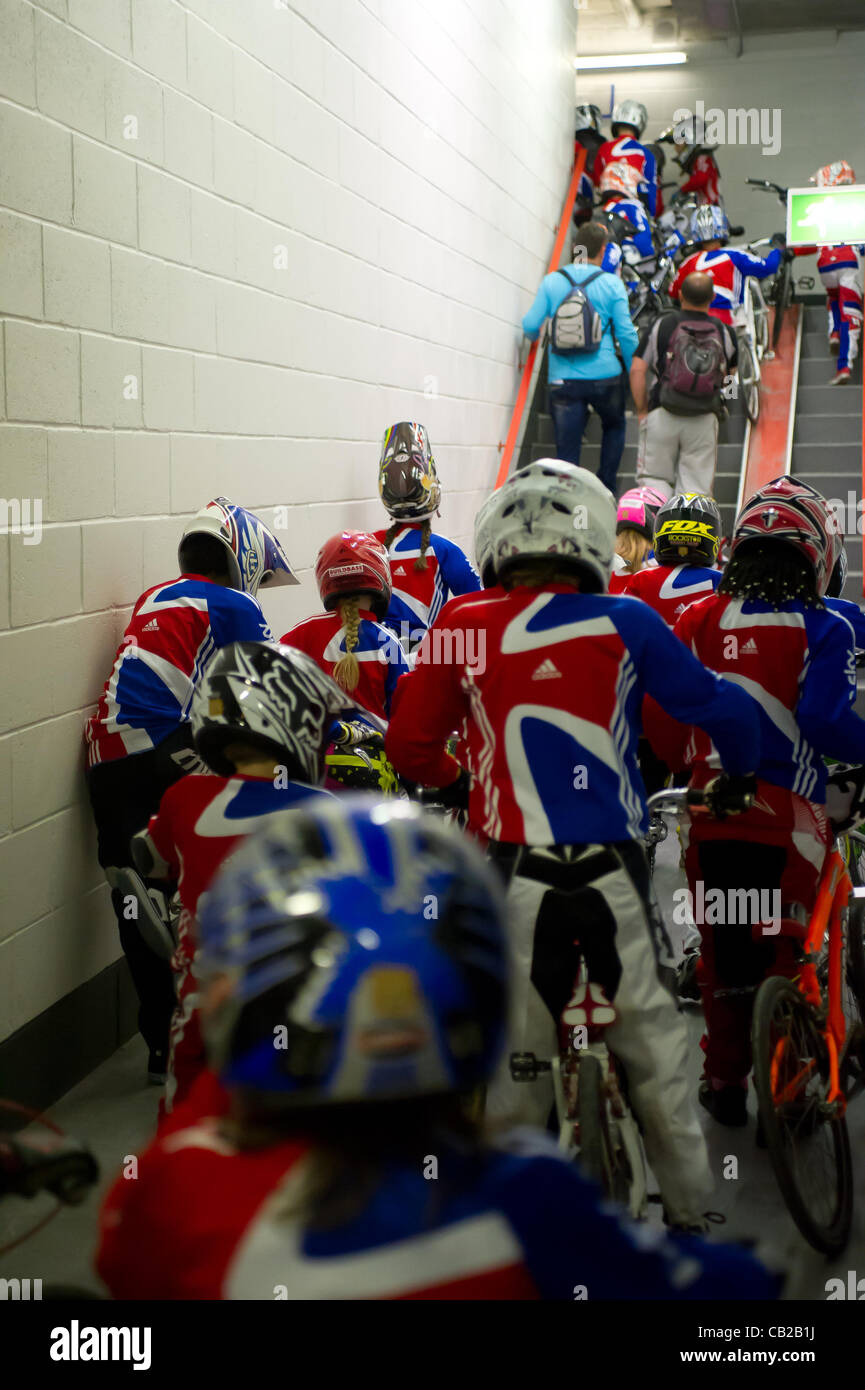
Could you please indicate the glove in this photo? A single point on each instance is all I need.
(778, 239)
(453, 798)
(730, 796)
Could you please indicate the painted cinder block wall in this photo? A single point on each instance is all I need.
(237, 239)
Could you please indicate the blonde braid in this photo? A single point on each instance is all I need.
(633, 548)
(346, 672)
(425, 537)
(390, 533)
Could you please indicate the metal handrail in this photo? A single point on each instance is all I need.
(528, 369)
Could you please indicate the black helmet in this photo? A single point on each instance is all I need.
(688, 530)
(272, 696)
(407, 478)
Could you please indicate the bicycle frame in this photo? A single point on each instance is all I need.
(833, 895)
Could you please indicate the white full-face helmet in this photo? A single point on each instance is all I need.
(629, 113)
(553, 509)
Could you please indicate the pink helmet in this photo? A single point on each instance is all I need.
(787, 510)
(620, 177)
(637, 509)
(833, 175)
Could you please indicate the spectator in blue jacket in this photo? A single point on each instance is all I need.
(587, 380)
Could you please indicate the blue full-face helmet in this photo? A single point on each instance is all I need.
(255, 556)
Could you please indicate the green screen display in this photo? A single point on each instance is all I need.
(825, 216)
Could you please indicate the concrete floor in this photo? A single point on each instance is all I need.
(114, 1111)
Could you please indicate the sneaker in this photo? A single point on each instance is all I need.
(157, 1067)
(841, 378)
(834, 342)
(686, 977)
(728, 1105)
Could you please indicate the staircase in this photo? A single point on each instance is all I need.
(731, 437)
(827, 434)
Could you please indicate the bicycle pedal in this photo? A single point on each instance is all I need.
(525, 1066)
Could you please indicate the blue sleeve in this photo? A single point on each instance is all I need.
(236, 617)
(651, 195)
(854, 615)
(825, 711)
(538, 312)
(755, 265)
(687, 690)
(626, 334)
(574, 1241)
(458, 573)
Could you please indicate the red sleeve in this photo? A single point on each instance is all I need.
(804, 250)
(599, 165)
(676, 287)
(131, 1253)
(700, 178)
(161, 828)
(428, 705)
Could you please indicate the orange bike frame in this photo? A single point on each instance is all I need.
(833, 894)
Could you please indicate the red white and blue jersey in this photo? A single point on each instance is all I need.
(704, 180)
(419, 595)
(624, 149)
(854, 615)
(798, 666)
(207, 1220)
(728, 268)
(550, 683)
(840, 257)
(670, 588)
(379, 654)
(175, 630)
(200, 820)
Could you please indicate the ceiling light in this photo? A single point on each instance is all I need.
(629, 60)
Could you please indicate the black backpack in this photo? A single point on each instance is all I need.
(577, 326)
(693, 368)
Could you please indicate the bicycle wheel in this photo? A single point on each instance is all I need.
(808, 1145)
(749, 388)
(783, 298)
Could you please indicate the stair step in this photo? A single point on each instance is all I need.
(829, 400)
(827, 429)
(818, 372)
(841, 459)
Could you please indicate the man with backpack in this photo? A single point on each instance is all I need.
(678, 375)
(588, 309)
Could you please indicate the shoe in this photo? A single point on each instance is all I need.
(157, 1067)
(728, 1105)
(841, 378)
(834, 342)
(686, 977)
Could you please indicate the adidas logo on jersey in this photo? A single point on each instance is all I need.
(152, 626)
(546, 671)
(399, 570)
(749, 649)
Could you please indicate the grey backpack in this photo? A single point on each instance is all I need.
(577, 326)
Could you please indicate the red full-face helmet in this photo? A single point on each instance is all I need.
(353, 562)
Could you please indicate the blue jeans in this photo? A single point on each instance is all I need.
(569, 407)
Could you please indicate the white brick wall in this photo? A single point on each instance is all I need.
(410, 156)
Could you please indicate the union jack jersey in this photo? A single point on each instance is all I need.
(624, 149)
(206, 1219)
(379, 655)
(840, 257)
(419, 595)
(728, 268)
(854, 615)
(799, 667)
(704, 179)
(551, 694)
(200, 820)
(670, 588)
(174, 631)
